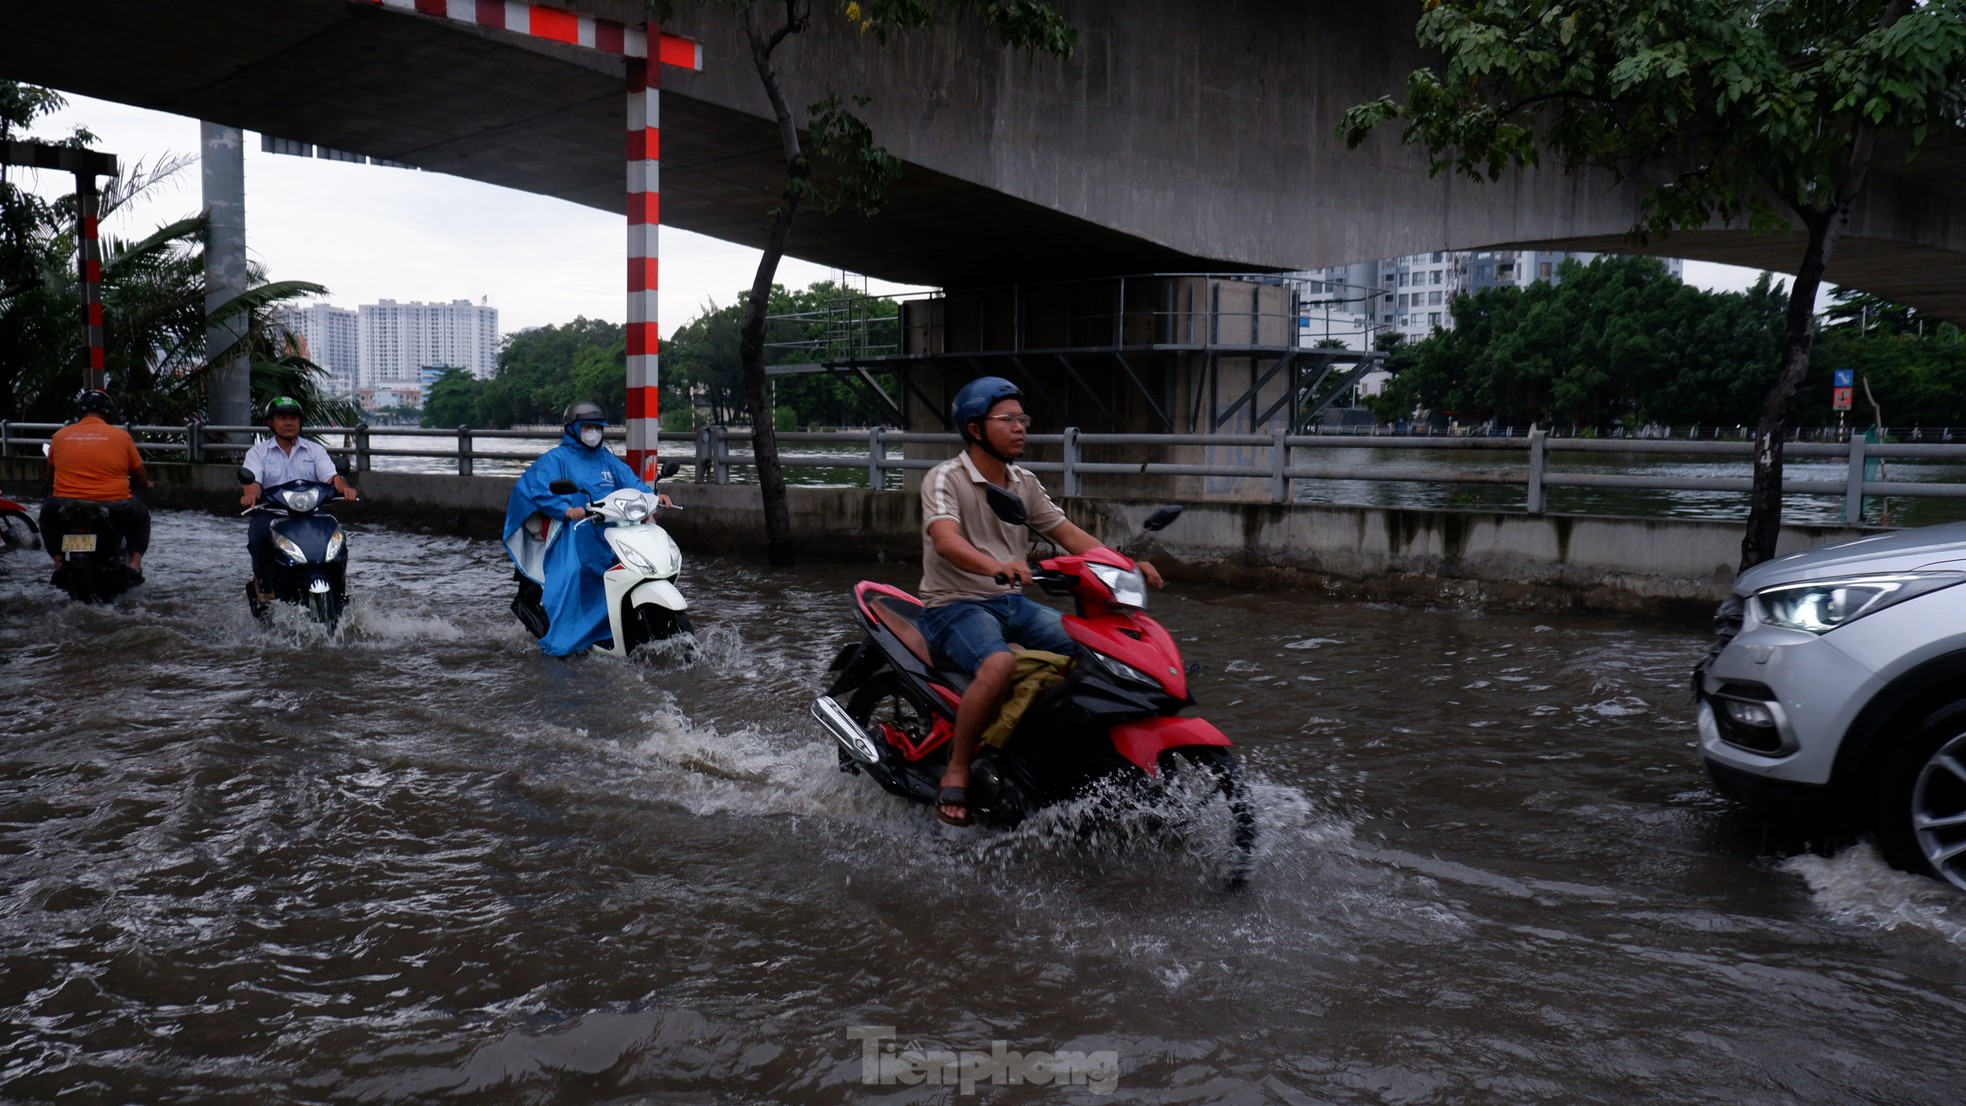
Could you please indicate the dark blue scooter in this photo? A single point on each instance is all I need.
(310, 551)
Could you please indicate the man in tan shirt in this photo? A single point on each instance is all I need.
(970, 618)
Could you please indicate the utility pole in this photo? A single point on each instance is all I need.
(87, 165)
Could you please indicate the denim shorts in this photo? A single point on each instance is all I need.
(967, 632)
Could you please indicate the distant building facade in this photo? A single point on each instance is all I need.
(400, 339)
(386, 353)
(1411, 294)
(328, 336)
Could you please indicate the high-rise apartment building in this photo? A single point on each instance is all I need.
(328, 336)
(1411, 294)
(399, 339)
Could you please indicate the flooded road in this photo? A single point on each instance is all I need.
(422, 863)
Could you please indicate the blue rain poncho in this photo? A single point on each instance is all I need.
(567, 562)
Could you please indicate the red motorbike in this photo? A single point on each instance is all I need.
(1113, 719)
(16, 525)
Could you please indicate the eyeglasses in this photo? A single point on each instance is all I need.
(1010, 420)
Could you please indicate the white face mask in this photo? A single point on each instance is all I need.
(590, 436)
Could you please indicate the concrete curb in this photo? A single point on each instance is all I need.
(1481, 559)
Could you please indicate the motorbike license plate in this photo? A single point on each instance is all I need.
(78, 543)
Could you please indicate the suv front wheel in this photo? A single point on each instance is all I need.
(1921, 799)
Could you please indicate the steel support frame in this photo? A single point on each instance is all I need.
(1256, 384)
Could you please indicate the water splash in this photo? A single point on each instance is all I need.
(1857, 888)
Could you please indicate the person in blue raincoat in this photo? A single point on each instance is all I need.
(565, 561)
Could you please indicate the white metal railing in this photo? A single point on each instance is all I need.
(716, 458)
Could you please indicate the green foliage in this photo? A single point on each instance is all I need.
(153, 297)
(819, 323)
(452, 400)
(1030, 25)
(1874, 315)
(1741, 99)
(543, 369)
(855, 172)
(1917, 379)
(1614, 341)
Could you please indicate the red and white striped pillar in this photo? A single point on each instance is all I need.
(646, 51)
(88, 217)
(644, 230)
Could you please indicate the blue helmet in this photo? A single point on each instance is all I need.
(975, 400)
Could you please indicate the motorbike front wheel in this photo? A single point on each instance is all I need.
(1218, 767)
(325, 608)
(882, 703)
(655, 625)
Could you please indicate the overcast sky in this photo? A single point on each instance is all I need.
(371, 233)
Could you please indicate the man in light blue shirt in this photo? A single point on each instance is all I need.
(273, 461)
(288, 456)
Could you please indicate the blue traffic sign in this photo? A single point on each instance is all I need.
(1845, 378)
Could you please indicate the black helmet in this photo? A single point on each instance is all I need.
(94, 401)
(283, 405)
(583, 412)
(975, 400)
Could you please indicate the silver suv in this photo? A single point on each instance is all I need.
(1837, 692)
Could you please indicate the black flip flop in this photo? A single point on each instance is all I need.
(953, 796)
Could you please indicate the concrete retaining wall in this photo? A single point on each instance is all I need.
(1478, 558)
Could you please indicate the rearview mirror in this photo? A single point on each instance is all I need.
(1006, 505)
(563, 487)
(246, 476)
(669, 468)
(1159, 519)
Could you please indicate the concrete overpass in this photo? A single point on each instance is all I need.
(1182, 137)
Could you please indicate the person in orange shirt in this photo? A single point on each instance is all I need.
(94, 461)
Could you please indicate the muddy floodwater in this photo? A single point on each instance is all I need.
(420, 863)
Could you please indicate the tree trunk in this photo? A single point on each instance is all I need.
(1765, 500)
(751, 332)
(1825, 230)
(751, 351)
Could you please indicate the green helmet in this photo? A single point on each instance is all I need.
(282, 405)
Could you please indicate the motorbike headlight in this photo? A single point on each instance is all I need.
(637, 511)
(1128, 586)
(1119, 671)
(336, 545)
(301, 500)
(289, 548)
(636, 559)
(1823, 605)
(675, 555)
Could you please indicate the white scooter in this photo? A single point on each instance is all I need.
(644, 605)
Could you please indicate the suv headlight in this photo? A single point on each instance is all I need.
(1824, 605)
(1128, 586)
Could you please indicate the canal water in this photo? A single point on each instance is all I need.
(418, 862)
(1421, 489)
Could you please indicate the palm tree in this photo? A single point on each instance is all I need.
(153, 296)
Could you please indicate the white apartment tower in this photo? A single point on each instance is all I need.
(399, 340)
(1413, 291)
(328, 336)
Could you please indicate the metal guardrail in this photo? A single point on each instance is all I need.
(711, 452)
